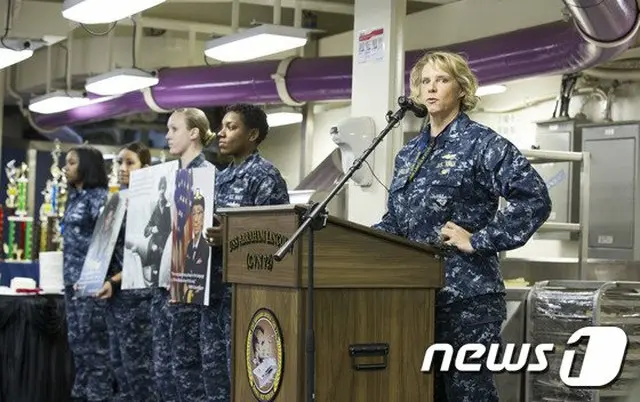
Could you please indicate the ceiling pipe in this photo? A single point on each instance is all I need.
(601, 31)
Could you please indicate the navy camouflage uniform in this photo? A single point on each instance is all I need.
(255, 182)
(160, 315)
(161, 353)
(466, 169)
(130, 335)
(86, 316)
(185, 336)
(122, 390)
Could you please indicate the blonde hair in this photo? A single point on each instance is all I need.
(457, 67)
(195, 118)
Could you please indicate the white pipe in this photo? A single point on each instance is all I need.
(537, 101)
(235, 15)
(277, 12)
(559, 156)
(313, 5)
(179, 25)
(137, 39)
(193, 53)
(69, 60)
(20, 101)
(111, 60)
(49, 68)
(613, 74)
(297, 14)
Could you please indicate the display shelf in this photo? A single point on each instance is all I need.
(536, 156)
(556, 309)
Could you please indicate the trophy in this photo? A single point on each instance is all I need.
(62, 196)
(114, 182)
(46, 210)
(23, 187)
(56, 173)
(20, 230)
(163, 157)
(52, 208)
(12, 186)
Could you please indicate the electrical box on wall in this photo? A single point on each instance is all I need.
(614, 207)
(562, 178)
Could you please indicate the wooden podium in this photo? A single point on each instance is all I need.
(374, 309)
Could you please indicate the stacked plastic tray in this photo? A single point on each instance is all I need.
(556, 309)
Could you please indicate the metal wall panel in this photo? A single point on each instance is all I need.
(562, 178)
(614, 211)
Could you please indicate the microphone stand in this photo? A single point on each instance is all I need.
(316, 219)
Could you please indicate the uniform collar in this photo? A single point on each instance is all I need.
(451, 132)
(196, 162)
(74, 192)
(241, 169)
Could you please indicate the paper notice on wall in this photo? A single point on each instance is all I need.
(371, 45)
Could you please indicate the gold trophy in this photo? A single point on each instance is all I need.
(114, 182)
(46, 210)
(19, 241)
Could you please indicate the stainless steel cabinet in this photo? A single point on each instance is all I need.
(614, 211)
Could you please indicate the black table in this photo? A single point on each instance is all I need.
(36, 364)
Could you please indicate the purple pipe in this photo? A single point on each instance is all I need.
(546, 49)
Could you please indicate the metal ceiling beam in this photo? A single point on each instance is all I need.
(439, 2)
(181, 25)
(311, 5)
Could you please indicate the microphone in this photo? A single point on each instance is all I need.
(419, 110)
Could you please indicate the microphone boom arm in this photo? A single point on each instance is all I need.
(317, 216)
(316, 219)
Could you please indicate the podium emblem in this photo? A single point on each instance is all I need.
(264, 355)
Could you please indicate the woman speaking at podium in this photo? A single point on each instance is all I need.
(250, 180)
(445, 192)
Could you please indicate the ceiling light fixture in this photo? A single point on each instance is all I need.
(121, 81)
(253, 43)
(10, 56)
(279, 118)
(58, 101)
(490, 90)
(104, 11)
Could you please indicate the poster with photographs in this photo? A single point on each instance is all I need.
(103, 242)
(147, 247)
(191, 255)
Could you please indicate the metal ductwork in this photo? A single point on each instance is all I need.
(65, 134)
(600, 31)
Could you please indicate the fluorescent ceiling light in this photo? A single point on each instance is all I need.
(10, 57)
(276, 119)
(104, 11)
(120, 81)
(257, 42)
(490, 90)
(58, 101)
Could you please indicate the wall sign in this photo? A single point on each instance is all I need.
(371, 45)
